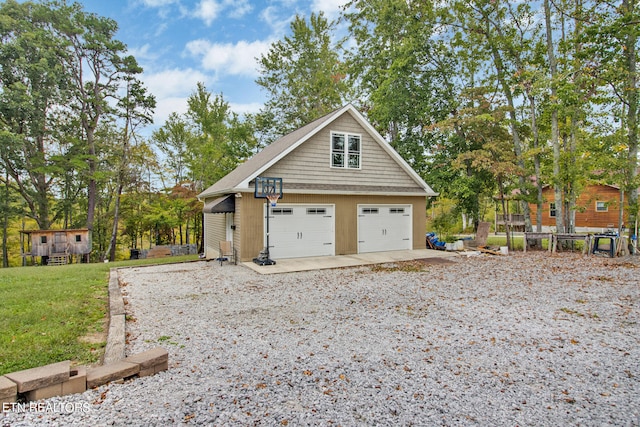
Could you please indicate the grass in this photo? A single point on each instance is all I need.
(517, 243)
(51, 314)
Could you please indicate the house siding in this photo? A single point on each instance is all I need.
(251, 218)
(586, 214)
(215, 231)
(310, 162)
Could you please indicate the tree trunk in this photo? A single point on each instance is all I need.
(555, 134)
(5, 222)
(513, 125)
(114, 231)
(631, 89)
(536, 160)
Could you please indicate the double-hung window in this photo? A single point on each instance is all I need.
(552, 210)
(601, 206)
(345, 150)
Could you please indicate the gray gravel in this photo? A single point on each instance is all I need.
(517, 340)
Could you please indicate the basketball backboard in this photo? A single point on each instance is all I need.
(268, 186)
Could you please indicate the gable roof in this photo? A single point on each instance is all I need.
(238, 180)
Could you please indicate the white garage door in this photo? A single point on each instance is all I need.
(301, 231)
(384, 228)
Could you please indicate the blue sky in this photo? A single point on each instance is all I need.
(182, 42)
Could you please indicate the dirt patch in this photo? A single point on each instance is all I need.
(412, 265)
(434, 260)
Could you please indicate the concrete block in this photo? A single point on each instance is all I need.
(40, 377)
(111, 372)
(77, 382)
(44, 392)
(8, 391)
(116, 304)
(150, 358)
(147, 372)
(164, 366)
(114, 351)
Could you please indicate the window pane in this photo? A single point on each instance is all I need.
(354, 161)
(354, 144)
(337, 160)
(338, 142)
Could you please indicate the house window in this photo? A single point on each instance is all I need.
(78, 238)
(43, 239)
(552, 210)
(602, 207)
(345, 150)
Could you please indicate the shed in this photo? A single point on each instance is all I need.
(55, 247)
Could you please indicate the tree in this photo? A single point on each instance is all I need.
(33, 87)
(611, 47)
(403, 71)
(172, 139)
(221, 139)
(136, 107)
(100, 68)
(302, 76)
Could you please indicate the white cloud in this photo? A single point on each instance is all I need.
(208, 11)
(239, 8)
(331, 8)
(157, 3)
(172, 82)
(229, 58)
(172, 88)
(279, 26)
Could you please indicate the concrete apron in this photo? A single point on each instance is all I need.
(291, 265)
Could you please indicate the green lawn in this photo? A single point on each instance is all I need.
(56, 313)
(501, 240)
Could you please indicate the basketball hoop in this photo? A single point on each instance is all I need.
(271, 189)
(273, 199)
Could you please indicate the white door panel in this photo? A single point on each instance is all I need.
(301, 231)
(384, 228)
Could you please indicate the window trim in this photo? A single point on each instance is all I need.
(345, 152)
(604, 205)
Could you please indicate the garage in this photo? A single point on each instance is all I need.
(384, 228)
(301, 231)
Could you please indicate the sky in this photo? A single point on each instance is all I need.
(182, 42)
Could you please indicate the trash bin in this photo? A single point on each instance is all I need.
(134, 253)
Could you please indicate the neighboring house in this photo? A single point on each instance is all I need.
(597, 209)
(55, 247)
(346, 191)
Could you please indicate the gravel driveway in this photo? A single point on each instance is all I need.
(518, 340)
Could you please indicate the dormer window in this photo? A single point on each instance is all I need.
(345, 150)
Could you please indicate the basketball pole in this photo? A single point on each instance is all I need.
(267, 248)
(267, 188)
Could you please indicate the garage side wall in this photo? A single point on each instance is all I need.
(215, 231)
(251, 219)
